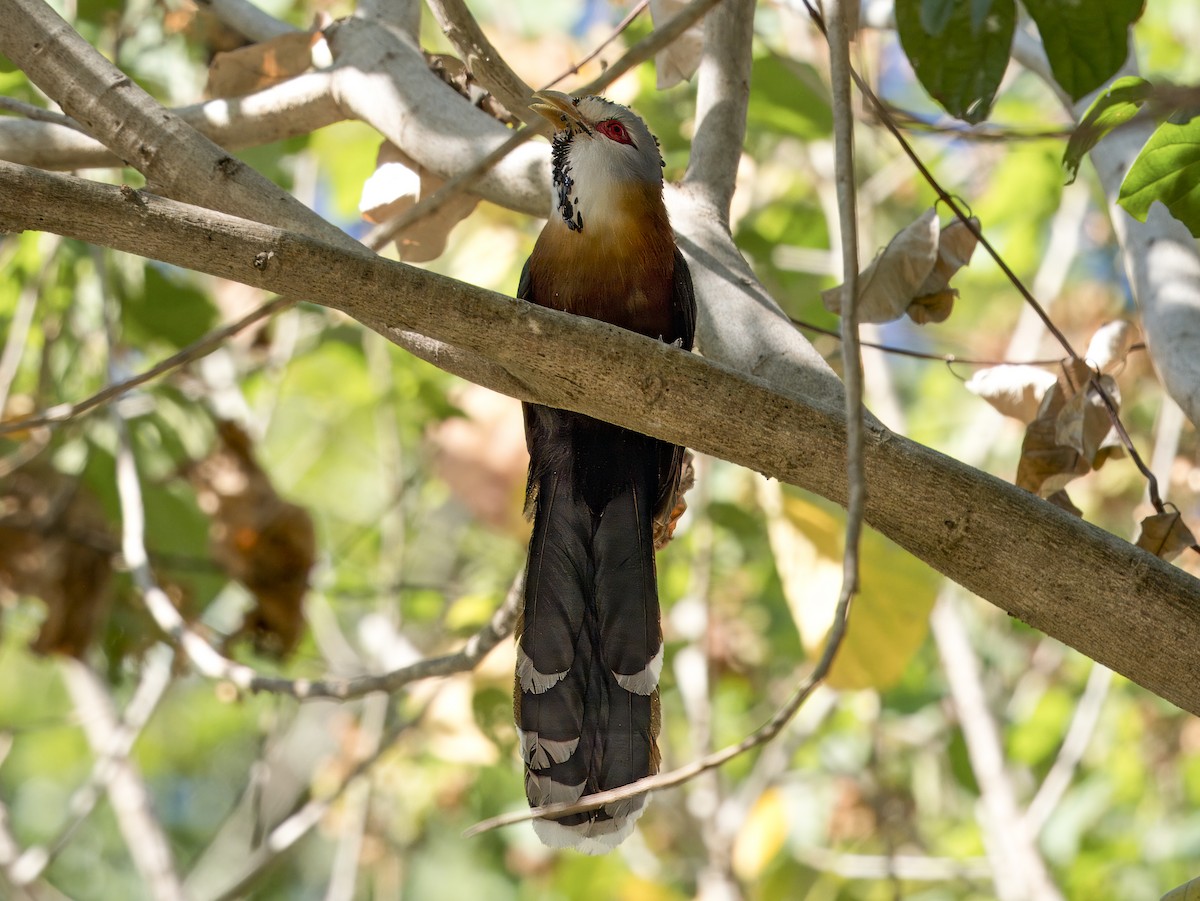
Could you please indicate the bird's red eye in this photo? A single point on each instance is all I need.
(614, 130)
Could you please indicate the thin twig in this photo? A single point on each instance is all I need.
(477, 647)
(949, 359)
(155, 679)
(194, 351)
(1075, 743)
(40, 114)
(22, 318)
(288, 832)
(620, 27)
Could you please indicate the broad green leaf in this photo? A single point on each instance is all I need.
(1086, 41)
(1114, 107)
(890, 614)
(1167, 170)
(959, 50)
(788, 98)
(169, 307)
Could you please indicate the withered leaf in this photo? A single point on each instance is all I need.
(679, 61)
(259, 539)
(1110, 345)
(1014, 390)
(1061, 499)
(248, 69)
(1165, 535)
(1047, 464)
(55, 545)
(397, 184)
(935, 307)
(1084, 423)
(891, 282)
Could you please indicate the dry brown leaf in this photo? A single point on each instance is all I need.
(248, 69)
(932, 307)
(259, 539)
(397, 184)
(481, 456)
(956, 245)
(679, 61)
(1083, 423)
(1014, 390)
(1165, 535)
(1047, 464)
(1110, 345)
(891, 282)
(55, 545)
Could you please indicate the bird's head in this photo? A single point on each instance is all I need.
(603, 156)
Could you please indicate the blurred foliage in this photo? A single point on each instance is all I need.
(413, 483)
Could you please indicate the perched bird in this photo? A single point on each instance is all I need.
(589, 640)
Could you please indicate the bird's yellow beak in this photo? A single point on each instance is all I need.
(559, 108)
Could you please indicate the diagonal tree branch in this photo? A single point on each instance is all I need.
(1066, 577)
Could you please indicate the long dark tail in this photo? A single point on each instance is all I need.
(589, 643)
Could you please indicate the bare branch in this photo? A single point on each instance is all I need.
(194, 351)
(39, 114)
(482, 59)
(160, 145)
(722, 95)
(247, 19)
(144, 835)
(1018, 871)
(294, 107)
(664, 35)
(1105, 597)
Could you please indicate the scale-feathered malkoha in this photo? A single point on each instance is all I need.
(589, 640)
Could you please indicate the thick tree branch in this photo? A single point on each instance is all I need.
(295, 107)
(482, 59)
(1064, 576)
(170, 153)
(722, 96)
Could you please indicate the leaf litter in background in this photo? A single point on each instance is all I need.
(1086, 43)
(398, 184)
(262, 541)
(958, 50)
(56, 545)
(891, 611)
(1165, 170)
(912, 274)
(1165, 535)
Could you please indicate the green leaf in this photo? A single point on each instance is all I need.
(1114, 107)
(1087, 42)
(788, 98)
(1167, 170)
(168, 307)
(958, 50)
